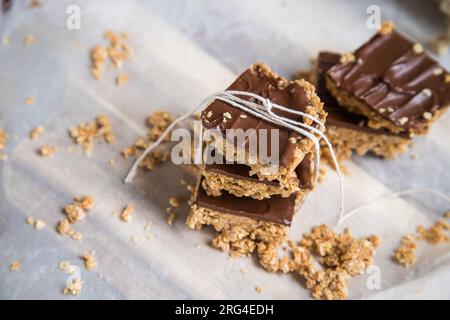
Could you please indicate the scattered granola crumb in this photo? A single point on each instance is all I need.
(158, 122)
(436, 234)
(30, 39)
(438, 71)
(85, 133)
(47, 151)
(15, 266)
(292, 140)
(29, 220)
(405, 253)
(243, 270)
(127, 212)
(403, 120)
(135, 239)
(174, 202)
(89, 263)
(74, 287)
(122, 79)
(85, 202)
(3, 139)
(77, 236)
(63, 226)
(259, 289)
(74, 213)
(29, 101)
(39, 224)
(34, 4)
(171, 218)
(386, 27)
(5, 40)
(117, 52)
(65, 266)
(340, 255)
(112, 162)
(36, 132)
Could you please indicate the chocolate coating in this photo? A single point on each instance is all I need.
(259, 80)
(389, 73)
(275, 209)
(339, 116)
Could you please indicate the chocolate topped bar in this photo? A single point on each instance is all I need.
(337, 115)
(259, 79)
(391, 80)
(276, 209)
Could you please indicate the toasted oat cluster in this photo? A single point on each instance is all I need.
(3, 138)
(158, 123)
(89, 262)
(75, 212)
(36, 132)
(116, 52)
(15, 265)
(341, 256)
(74, 287)
(47, 151)
(85, 133)
(436, 234)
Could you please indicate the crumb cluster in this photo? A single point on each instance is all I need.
(15, 265)
(127, 212)
(47, 151)
(438, 233)
(36, 132)
(158, 123)
(99, 129)
(117, 51)
(89, 262)
(75, 212)
(3, 139)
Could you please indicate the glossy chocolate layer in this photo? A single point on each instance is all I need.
(242, 171)
(339, 116)
(275, 209)
(389, 74)
(260, 81)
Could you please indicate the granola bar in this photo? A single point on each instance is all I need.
(393, 82)
(348, 131)
(243, 223)
(297, 95)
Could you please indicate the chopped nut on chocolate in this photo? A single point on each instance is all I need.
(427, 92)
(127, 212)
(36, 132)
(15, 266)
(386, 27)
(47, 151)
(427, 115)
(417, 48)
(403, 120)
(438, 71)
(347, 58)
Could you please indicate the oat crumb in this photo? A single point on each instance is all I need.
(30, 39)
(39, 225)
(122, 79)
(15, 266)
(29, 101)
(386, 27)
(127, 212)
(73, 288)
(417, 48)
(348, 57)
(47, 151)
(174, 202)
(259, 289)
(89, 263)
(29, 220)
(171, 218)
(36, 132)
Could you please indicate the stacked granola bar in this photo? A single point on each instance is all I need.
(251, 203)
(380, 96)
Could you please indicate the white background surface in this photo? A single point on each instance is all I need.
(184, 51)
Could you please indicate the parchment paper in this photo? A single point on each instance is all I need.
(184, 51)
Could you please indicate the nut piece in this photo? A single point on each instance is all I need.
(427, 115)
(39, 225)
(427, 92)
(89, 262)
(15, 266)
(417, 48)
(127, 212)
(174, 202)
(386, 27)
(438, 71)
(47, 151)
(348, 57)
(36, 132)
(403, 120)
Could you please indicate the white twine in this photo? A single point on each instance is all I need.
(262, 111)
(394, 195)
